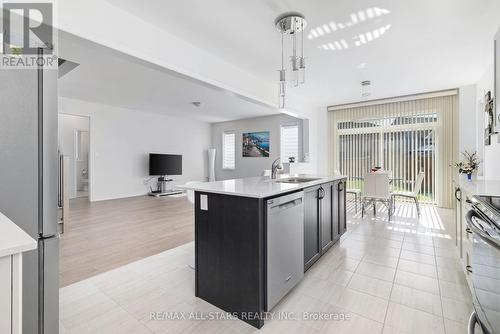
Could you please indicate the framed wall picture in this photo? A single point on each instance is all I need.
(490, 118)
(256, 144)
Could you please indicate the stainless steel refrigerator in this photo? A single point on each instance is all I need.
(28, 186)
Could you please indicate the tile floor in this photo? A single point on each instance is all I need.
(397, 277)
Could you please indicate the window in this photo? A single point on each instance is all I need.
(228, 150)
(289, 142)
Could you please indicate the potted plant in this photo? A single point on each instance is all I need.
(469, 165)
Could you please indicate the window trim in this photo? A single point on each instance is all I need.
(224, 133)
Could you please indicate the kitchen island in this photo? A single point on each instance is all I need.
(255, 238)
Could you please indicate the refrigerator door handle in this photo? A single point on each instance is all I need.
(47, 151)
(472, 323)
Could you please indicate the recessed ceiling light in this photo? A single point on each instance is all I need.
(361, 66)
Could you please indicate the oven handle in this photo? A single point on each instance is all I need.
(479, 231)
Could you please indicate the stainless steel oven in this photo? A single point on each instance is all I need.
(483, 222)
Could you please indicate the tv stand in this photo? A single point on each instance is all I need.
(164, 193)
(162, 189)
(164, 179)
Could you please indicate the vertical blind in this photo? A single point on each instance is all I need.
(289, 138)
(404, 137)
(228, 150)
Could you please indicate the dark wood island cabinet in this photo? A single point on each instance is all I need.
(231, 240)
(324, 219)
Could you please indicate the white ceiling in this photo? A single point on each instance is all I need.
(429, 45)
(113, 78)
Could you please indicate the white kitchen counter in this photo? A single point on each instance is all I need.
(13, 242)
(13, 239)
(257, 187)
(480, 187)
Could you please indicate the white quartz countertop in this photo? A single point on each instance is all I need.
(480, 187)
(258, 187)
(13, 239)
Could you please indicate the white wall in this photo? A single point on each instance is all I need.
(66, 140)
(252, 166)
(491, 159)
(121, 140)
(467, 105)
(320, 137)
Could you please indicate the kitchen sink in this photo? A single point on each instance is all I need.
(296, 180)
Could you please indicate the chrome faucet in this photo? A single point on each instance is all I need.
(274, 168)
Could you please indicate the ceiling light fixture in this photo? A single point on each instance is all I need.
(365, 88)
(292, 24)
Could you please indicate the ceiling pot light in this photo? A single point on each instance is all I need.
(290, 24)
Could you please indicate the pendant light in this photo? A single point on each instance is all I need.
(291, 24)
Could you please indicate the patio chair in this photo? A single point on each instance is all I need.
(355, 191)
(410, 194)
(376, 189)
(357, 196)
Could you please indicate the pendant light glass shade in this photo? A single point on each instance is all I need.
(302, 70)
(282, 88)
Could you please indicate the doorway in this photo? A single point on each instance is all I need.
(74, 146)
(82, 142)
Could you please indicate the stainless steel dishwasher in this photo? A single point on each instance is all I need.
(285, 245)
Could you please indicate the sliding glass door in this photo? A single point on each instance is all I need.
(401, 135)
(407, 153)
(404, 145)
(358, 153)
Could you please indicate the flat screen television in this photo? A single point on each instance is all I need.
(165, 164)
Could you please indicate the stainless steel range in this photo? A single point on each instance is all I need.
(483, 221)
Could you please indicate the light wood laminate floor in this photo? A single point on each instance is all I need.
(104, 235)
